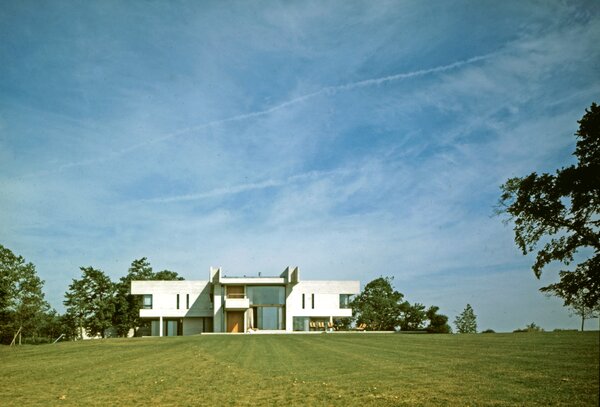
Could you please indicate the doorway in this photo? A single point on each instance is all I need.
(235, 321)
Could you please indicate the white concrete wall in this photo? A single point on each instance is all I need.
(164, 298)
(218, 314)
(327, 299)
(164, 301)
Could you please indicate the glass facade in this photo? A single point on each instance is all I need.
(270, 317)
(301, 323)
(266, 295)
(170, 328)
(268, 304)
(345, 300)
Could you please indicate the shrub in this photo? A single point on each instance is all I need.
(530, 328)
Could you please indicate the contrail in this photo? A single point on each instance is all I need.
(328, 90)
(235, 189)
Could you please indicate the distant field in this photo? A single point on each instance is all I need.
(327, 369)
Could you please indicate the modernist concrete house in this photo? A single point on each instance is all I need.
(243, 304)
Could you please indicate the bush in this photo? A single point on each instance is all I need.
(488, 331)
(530, 328)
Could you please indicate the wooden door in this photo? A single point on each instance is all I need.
(235, 321)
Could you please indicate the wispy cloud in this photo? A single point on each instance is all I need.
(328, 90)
(351, 141)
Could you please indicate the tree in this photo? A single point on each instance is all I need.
(379, 305)
(167, 275)
(438, 323)
(412, 316)
(127, 306)
(22, 303)
(89, 302)
(466, 322)
(579, 308)
(530, 328)
(562, 210)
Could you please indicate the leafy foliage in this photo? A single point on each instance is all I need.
(127, 306)
(89, 301)
(581, 309)
(530, 328)
(379, 305)
(412, 317)
(466, 321)
(22, 303)
(438, 323)
(167, 275)
(562, 210)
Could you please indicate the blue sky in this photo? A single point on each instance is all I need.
(352, 139)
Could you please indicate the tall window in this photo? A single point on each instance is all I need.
(345, 300)
(177, 301)
(312, 300)
(187, 301)
(268, 306)
(147, 302)
(303, 300)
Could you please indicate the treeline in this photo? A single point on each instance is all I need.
(95, 305)
(381, 308)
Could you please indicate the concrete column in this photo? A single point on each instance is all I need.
(160, 326)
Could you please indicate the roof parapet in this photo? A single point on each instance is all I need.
(214, 275)
(291, 276)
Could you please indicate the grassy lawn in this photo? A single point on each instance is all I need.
(327, 369)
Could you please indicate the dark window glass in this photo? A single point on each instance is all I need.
(312, 300)
(187, 301)
(345, 300)
(301, 323)
(177, 301)
(266, 295)
(147, 304)
(303, 300)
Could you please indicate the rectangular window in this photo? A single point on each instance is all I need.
(147, 302)
(345, 301)
(177, 301)
(303, 300)
(301, 323)
(270, 317)
(312, 299)
(187, 301)
(266, 295)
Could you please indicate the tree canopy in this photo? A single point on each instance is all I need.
(379, 305)
(412, 317)
(561, 212)
(466, 321)
(382, 308)
(90, 301)
(127, 307)
(22, 303)
(438, 323)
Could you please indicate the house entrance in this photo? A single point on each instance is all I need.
(235, 321)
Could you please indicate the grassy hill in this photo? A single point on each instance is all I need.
(327, 369)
